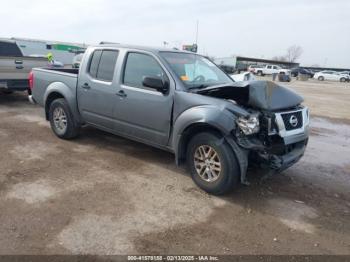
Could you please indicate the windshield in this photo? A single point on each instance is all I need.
(194, 70)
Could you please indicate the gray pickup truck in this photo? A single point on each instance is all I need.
(180, 102)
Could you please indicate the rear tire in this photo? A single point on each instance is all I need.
(212, 164)
(260, 73)
(320, 78)
(342, 79)
(61, 120)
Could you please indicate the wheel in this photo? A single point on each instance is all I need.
(342, 79)
(212, 164)
(320, 78)
(61, 120)
(260, 73)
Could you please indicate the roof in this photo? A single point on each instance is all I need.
(144, 48)
(269, 61)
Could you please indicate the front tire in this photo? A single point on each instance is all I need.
(212, 164)
(61, 120)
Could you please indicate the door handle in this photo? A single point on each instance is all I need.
(86, 86)
(122, 94)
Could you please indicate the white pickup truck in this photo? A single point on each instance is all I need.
(270, 69)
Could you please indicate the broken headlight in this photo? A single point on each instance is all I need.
(249, 125)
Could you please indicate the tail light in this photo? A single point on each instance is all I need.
(31, 80)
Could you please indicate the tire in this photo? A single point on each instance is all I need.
(320, 78)
(342, 79)
(260, 73)
(60, 113)
(228, 176)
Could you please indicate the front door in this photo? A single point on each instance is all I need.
(96, 90)
(141, 112)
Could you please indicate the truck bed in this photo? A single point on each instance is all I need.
(45, 78)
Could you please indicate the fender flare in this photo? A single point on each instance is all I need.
(67, 93)
(219, 118)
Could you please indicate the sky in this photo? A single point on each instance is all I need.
(254, 28)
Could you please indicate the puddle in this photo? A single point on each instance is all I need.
(294, 215)
(331, 145)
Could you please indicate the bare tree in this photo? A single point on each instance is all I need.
(293, 53)
(280, 58)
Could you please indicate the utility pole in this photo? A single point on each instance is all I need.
(197, 32)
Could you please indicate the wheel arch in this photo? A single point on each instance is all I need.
(188, 133)
(50, 98)
(58, 90)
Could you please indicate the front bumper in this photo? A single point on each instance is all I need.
(282, 162)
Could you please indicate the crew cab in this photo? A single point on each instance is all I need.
(270, 69)
(180, 102)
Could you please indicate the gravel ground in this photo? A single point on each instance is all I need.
(102, 194)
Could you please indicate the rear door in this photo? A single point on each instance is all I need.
(96, 90)
(268, 70)
(275, 69)
(141, 112)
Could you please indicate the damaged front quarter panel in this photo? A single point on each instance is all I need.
(194, 110)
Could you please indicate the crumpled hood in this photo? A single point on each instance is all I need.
(264, 95)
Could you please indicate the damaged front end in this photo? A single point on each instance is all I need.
(281, 141)
(276, 132)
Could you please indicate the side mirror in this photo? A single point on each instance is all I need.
(156, 83)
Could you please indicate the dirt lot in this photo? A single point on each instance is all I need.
(101, 194)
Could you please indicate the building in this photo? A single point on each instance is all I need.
(62, 51)
(318, 69)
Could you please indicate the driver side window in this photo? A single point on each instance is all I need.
(138, 66)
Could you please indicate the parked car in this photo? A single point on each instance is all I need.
(14, 67)
(331, 76)
(270, 69)
(296, 71)
(246, 76)
(345, 73)
(252, 68)
(180, 102)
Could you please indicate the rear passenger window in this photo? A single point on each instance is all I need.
(102, 64)
(107, 65)
(94, 63)
(138, 66)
